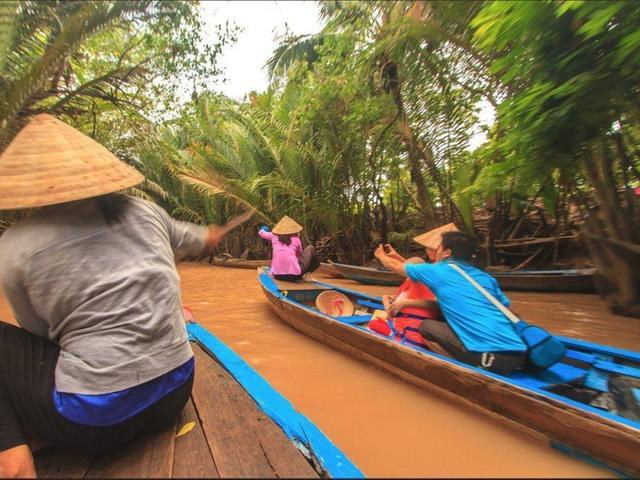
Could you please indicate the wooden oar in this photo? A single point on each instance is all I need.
(217, 232)
(237, 221)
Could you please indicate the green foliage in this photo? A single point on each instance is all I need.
(562, 64)
(570, 117)
(84, 60)
(363, 134)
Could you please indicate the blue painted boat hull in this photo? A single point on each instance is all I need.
(303, 433)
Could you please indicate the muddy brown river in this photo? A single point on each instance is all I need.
(389, 427)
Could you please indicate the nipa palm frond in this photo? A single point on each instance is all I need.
(211, 190)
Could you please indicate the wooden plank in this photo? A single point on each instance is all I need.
(258, 436)
(192, 457)
(285, 458)
(292, 286)
(58, 463)
(146, 457)
(227, 420)
(616, 445)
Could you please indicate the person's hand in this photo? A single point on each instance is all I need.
(395, 307)
(390, 250)
(380, 253)
(215, 234)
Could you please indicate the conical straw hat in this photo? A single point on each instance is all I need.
(432, 238)
(287, 226)
(334, 303)
(50, 162)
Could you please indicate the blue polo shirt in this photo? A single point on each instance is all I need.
(479, 325)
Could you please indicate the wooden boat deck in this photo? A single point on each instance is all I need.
(232, 437)
(301, 285)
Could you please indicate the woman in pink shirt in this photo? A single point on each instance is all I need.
(289, 261)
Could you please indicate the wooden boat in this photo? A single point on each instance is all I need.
(577, 281)
(235, 425)
(328, 269)
(368, 275)
(572, 406)
(239, 263)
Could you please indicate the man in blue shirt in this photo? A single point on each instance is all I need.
(475, 331)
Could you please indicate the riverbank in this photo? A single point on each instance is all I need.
(386, 426)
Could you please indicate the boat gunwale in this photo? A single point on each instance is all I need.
(302, 432)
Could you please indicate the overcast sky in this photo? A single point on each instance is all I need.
(260, 21)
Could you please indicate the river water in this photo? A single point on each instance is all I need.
(389, 427)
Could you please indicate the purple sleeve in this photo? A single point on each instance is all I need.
(265, 235)
(298, 245)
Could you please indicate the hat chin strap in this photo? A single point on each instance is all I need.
(337, 303)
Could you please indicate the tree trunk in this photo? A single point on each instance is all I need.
(610, 235)
(423, 196)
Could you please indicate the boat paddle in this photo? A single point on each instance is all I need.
(217, 232)
(237, 221)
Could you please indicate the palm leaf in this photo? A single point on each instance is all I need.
(8, 21)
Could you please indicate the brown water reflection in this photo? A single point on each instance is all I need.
(386, 426)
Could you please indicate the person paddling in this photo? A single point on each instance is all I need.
(289, 261)
(475, 331)
(102, 356)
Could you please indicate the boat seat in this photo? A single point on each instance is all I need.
(602, 367)
(611, 367)
(370, 304)
(555, 375)
(355, 319)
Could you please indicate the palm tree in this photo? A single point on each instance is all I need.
(392, 36)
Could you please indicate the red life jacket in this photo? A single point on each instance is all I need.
(402, 327)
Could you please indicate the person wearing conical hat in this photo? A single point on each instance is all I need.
(475, 331)
(432, 239)
(413, 300)
(102, 356)
(289, 261)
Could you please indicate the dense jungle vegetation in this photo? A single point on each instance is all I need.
(363, 135)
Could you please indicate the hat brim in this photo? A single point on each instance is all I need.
(286, 231)
(49, 162)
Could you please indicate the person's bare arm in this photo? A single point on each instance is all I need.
(398, 305)
(392, 264)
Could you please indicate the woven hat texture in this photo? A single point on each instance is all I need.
(287, 226)
(432, 238)
(50, 162)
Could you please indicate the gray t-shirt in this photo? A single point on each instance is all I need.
(109, 296)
